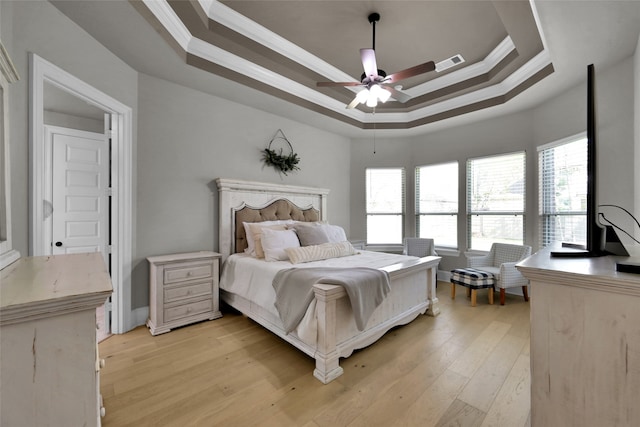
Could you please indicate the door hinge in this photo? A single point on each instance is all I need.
(109, 248)
(108, 192)
(109, 133)
(107, 306)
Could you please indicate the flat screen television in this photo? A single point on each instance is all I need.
(601, 240)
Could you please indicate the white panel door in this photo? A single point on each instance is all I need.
(80, 185)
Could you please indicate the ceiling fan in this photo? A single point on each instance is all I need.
(377, 84)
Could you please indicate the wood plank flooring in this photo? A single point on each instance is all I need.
(467, 367)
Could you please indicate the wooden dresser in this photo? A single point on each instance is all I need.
(183, 289)
(585, 342)
(49, 365)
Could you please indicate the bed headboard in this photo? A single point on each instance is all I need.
(247, 201)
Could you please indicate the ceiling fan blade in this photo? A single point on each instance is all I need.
(369, 64)
(326, 84)
(397, 95)
(410, 72)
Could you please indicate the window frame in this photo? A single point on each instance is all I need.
(402, 213)
(545, 218)
(454, 213)
(504, 213)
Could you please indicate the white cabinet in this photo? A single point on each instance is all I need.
(49, 362)
(183, 289)
(585, 342)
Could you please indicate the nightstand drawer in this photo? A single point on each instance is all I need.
(178, 292)
(188, 272)
(187, 310)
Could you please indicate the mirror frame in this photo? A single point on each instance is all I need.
(8, 74)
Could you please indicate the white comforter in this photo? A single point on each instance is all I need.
(252, 278)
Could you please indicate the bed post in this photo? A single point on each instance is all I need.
(327, 358)
(434, 304)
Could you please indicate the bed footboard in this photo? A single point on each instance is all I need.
(331, 345)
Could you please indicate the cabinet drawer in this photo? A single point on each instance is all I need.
(187, 272)
(178, 292)
(186, 310)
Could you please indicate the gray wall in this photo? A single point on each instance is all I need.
(37, 26)
(636, 114)
(187, 139)
(558, 118)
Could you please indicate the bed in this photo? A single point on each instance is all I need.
(329, 330)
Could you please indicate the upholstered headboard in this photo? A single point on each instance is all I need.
(246, 201)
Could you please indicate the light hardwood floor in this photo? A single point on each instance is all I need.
(467, 367)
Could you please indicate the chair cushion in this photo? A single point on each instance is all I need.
(472, 278)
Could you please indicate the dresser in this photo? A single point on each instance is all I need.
(585, 341)
(50, 368)
(183, 289)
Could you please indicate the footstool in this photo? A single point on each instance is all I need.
(473, 280)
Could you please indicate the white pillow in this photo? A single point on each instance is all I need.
(334, 232)
(320, 252)
(249, 228)
(274, 243)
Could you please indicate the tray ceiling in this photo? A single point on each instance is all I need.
(283, 48)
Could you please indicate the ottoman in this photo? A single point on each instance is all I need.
(473, 280)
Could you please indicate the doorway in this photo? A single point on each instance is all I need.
(45, 75)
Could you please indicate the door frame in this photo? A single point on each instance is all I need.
(41, 71)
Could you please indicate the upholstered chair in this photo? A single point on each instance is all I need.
(501, 262)
(420, 247)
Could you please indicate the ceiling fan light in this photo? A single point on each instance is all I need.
(362, 96)
(372, 101)
(384, 95)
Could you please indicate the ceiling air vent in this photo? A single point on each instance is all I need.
(450, 62)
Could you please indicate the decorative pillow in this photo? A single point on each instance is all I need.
(274, 243)
(257, 229)
(250, 226)
(310, 233)
(335, 233)
(320, 252)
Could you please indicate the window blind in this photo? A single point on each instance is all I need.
(437, 203)
(563, 192)
(496, 200)
(385, 205)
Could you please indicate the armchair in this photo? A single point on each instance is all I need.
(416, 246)
(501, 261)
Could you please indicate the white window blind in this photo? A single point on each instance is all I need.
(437, 203)
(385, 205)
(495, 200)
(563, 192)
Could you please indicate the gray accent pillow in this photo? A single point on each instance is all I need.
(310, 234)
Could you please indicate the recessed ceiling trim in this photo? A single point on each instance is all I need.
(503, 49)
(170, 21)
(233, 62)
(533, 66)
(228, 17)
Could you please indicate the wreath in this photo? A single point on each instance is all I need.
(278, 159)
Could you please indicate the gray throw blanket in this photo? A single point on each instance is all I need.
(366, 288)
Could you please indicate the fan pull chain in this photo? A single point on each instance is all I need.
(374, 130)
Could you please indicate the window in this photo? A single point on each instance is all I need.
(563, 191)
(385, 205)
(437, 203)
(495, 200)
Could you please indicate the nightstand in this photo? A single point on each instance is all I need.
(183, 289)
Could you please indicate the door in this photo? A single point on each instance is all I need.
(80, 192)
(78, 217)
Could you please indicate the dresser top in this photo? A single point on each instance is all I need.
(46, 284)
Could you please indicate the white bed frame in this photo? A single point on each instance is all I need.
(413, 283)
